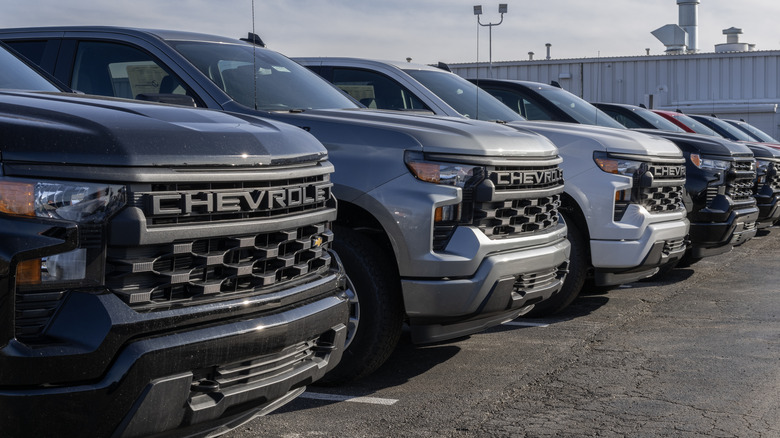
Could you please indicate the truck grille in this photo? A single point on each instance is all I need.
(741, 187)
(663, 195)
(520, 200)
(516, 217)
(510, 201)
(661, 199)
(666, 192)
(184, 271)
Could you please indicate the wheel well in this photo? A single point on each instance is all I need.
(358, 219)
(570, 207)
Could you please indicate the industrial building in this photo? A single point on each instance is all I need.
(733, 81)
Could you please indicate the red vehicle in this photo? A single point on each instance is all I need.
(686, 123)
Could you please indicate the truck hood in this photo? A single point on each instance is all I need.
(702, 144)
(74, 129)
(434, 134)
(601, 138)
(761, 150)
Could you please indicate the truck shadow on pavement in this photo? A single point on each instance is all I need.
(409, 360)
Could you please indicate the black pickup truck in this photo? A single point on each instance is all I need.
(163, 270)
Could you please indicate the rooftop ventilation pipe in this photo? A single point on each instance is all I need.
(689, 21)
(684, 37)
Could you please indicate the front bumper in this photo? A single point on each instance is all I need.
(194, 381)
(503, 286)
(624, 261)
(768, 203)
(713, 238)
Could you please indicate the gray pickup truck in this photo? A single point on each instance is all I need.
(449, 225)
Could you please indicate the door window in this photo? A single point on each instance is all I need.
(118, 70)
(375, 90)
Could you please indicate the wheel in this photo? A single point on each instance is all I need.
(579, 263)
(376, 307)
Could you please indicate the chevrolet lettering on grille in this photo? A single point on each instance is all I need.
(517, 177)
(236, 201)
(671, 171)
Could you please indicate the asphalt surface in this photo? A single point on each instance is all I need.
(694, 354)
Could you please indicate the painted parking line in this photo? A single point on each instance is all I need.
(527, 324)
(348, 398)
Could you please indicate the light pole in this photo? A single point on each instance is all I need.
(502, 9)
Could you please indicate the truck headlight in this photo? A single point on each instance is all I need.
(761, 168)
(709, 163)
(621, 166)
(72, 201)
(80, 202)
(617, 165)
(442, 173)
(452, 174)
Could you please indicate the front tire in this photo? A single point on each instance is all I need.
(376, 306)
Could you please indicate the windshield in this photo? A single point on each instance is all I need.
(697, 127)
(578, 109)
(755, 132)
(658, 121)
(281, 84)
(464, 97)
(16, 75)
(735, 132)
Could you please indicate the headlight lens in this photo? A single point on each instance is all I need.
(709, 163)
(73, 201)
(80, 202)
(450, 174)
(459, 175)
(616, 165)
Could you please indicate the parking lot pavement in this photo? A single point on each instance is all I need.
(695, 354)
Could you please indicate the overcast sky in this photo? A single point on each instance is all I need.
(425, 30)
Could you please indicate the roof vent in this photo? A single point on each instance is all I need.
(684, 37)
(732, 42)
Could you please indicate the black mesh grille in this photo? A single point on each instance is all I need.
(666, 192)
(525, 199)
(741, 187)
(187, 271)
(517, 216)
(509, 201)
(661, 199)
